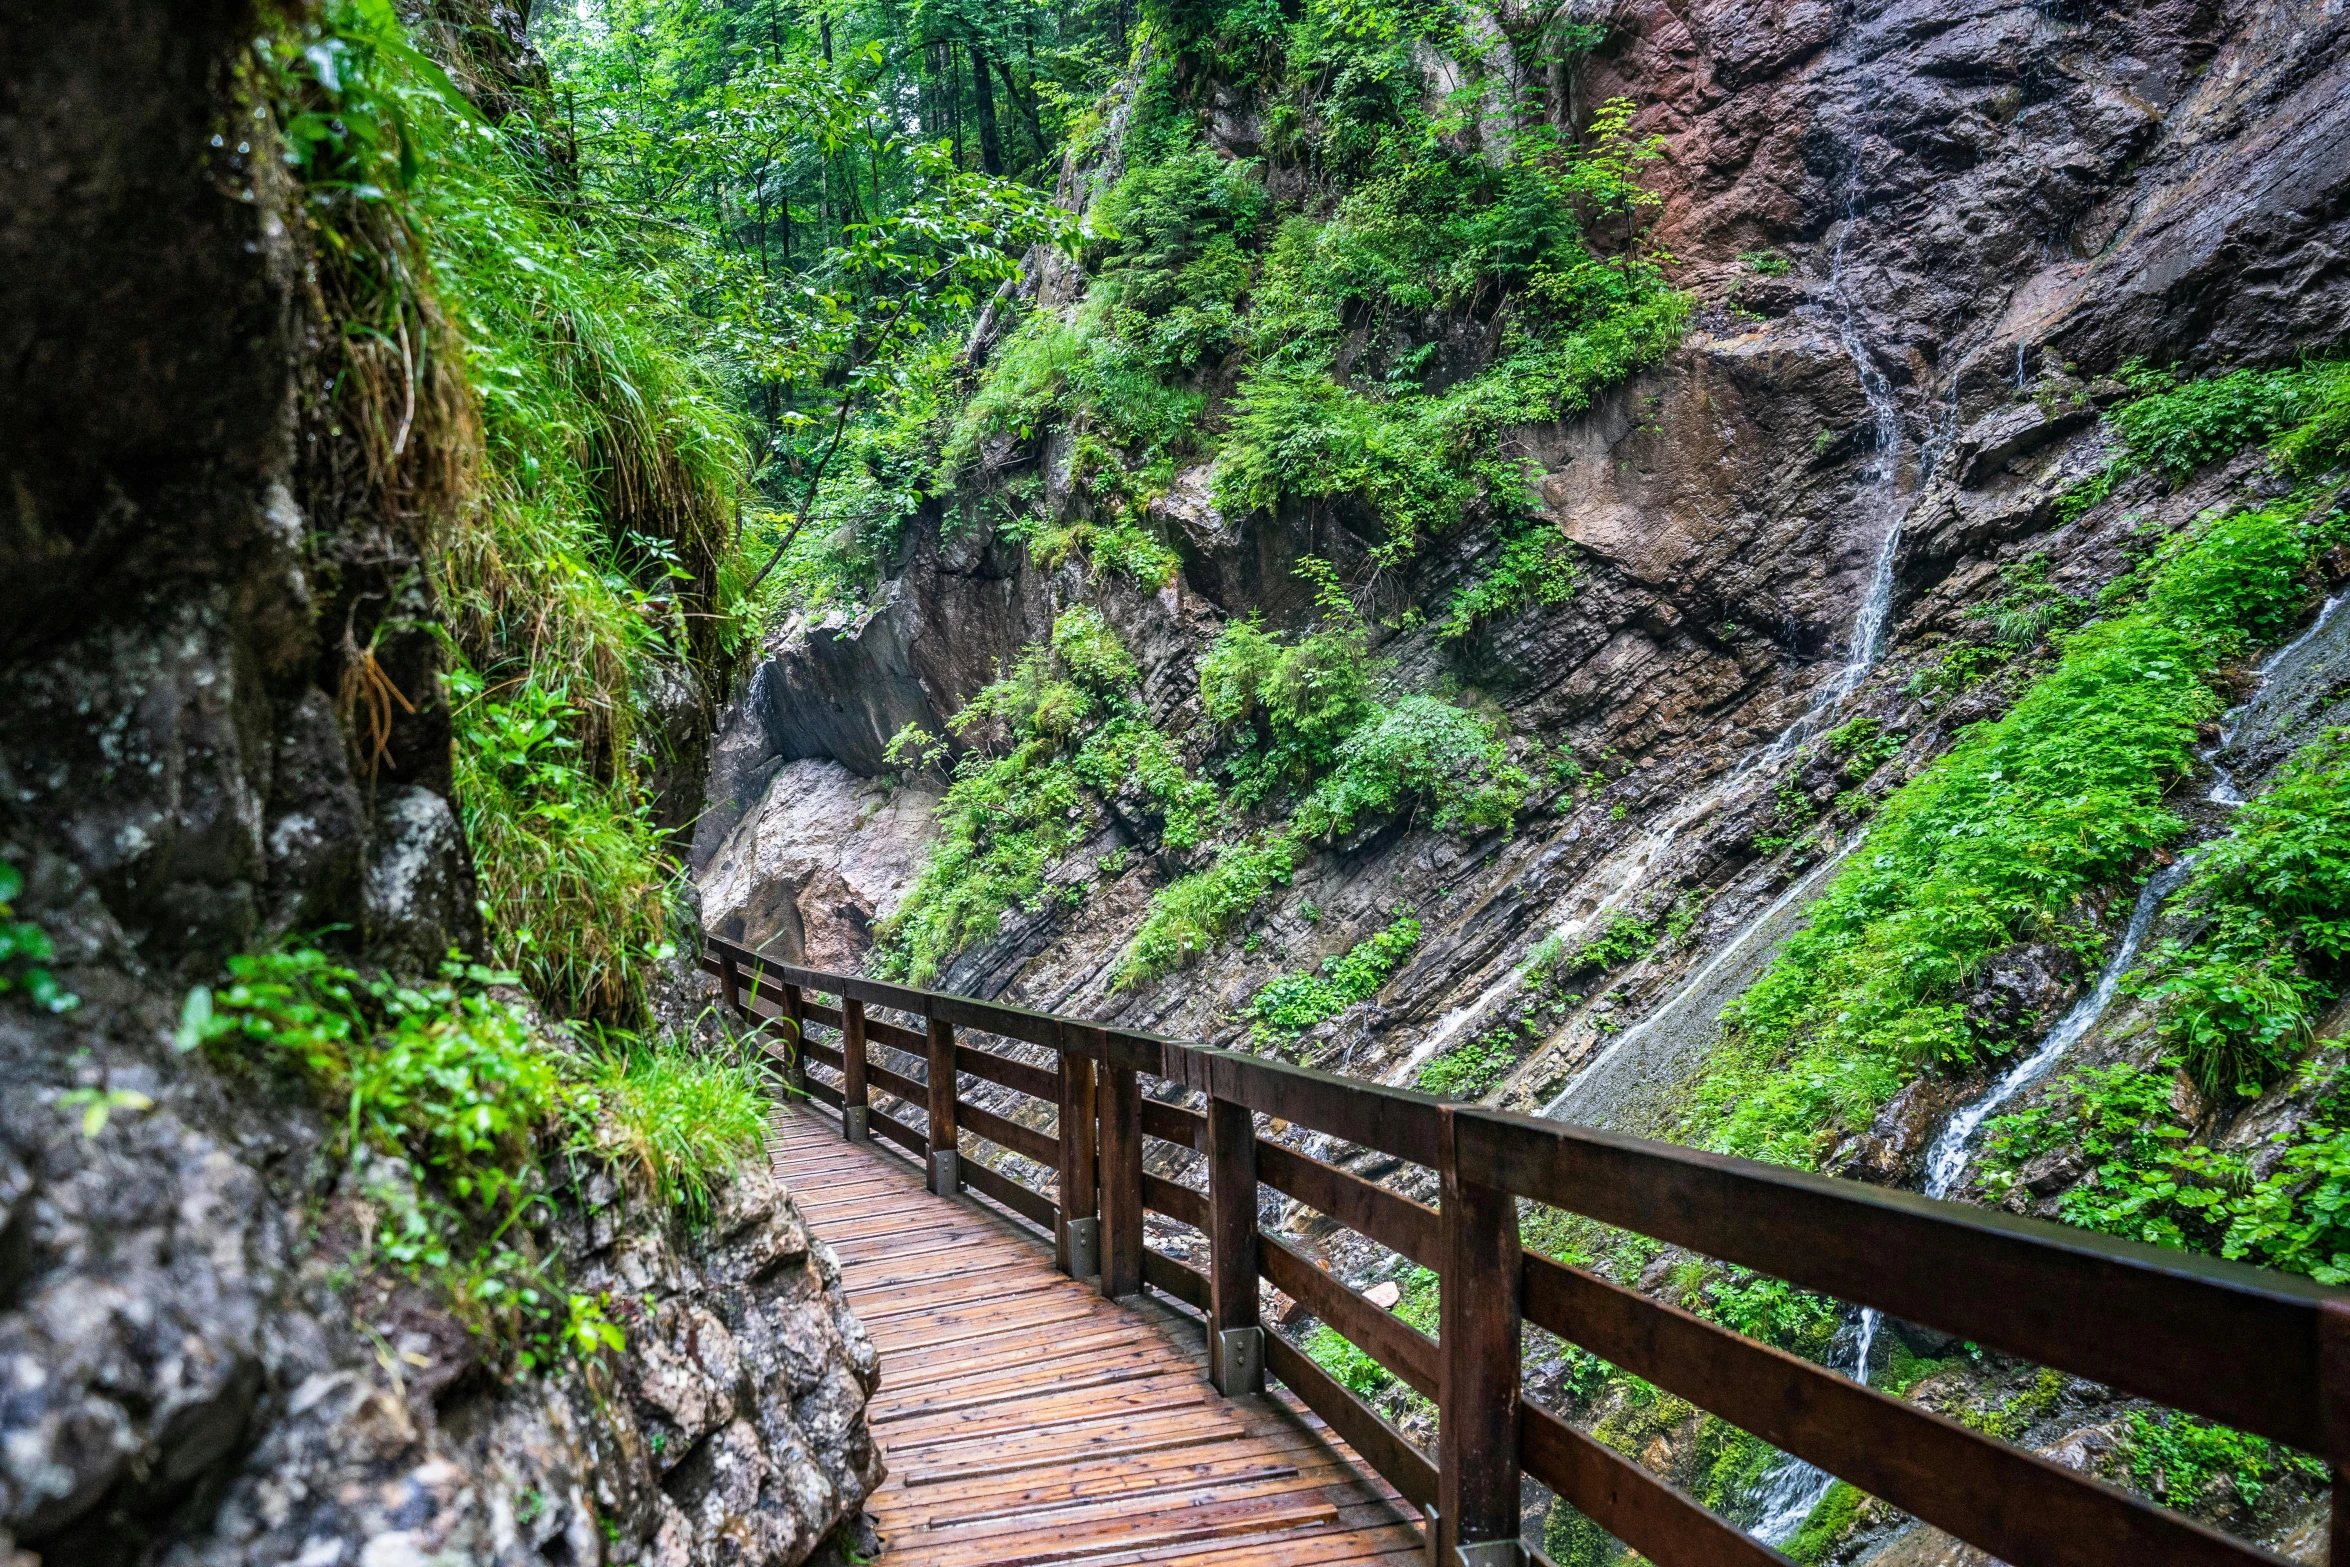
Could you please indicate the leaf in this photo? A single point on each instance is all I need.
(195, 1020)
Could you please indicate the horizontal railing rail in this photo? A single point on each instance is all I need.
(2264, 1352)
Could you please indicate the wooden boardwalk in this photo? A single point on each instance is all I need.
(1026, 1420)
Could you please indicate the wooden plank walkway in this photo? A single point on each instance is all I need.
(1028, 1421)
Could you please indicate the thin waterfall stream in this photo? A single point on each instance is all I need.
(1795, 1487)
(1865, 648)
(1792, 1490)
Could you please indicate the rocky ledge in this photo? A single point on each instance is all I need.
(191, 1372)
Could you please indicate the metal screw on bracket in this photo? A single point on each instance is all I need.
(1240, 1361)
(1085, 1248)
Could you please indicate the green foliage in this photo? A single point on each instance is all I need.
(2144, 1176)
(447, 1096)
(1170, 259)
(1291, 704)
(1765, 263)
(2178, 1458)
(442, 1080)
(1863, 746)
(1189, 916)
(2009, 1418)
(1286, 1007)
(572, 870)
(2031, 607)
(2322, 440)
(1571, 1540)
(1354, 1369)
(1532, 567)
(1622, 939)
(2175, 428)
(1768, 1309)
(1421, 751)
(1472, 1070)
(24, 949)
(2237, 1001)
(1071, 730)
(1827, 1522)
(682, 1119)
(1084, 374)
(2002, 837)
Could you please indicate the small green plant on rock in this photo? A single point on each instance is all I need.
(25, 952)
(1286, 1007)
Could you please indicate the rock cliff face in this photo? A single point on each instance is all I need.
(1985, 210)
(187, 1370)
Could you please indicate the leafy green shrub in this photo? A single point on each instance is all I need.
(2030, 608)
(2177, 1458)
(1170, 256)
(2000, 838)
(1422, 750)
(2176, 428)
(24, 948)
(1293, 703)
(2147, 1179)
(2238, 1001)
(2322, 440)
(442, 1077)
(1533, 567)
(1190, 916)
(1472, 1070)
(1069, 720)
(1623, 939)
(1863, 746)
(447, 1095)
(1353, 1368)
(1286, 1007)
(572, 869)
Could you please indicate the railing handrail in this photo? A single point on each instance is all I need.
(2260, 1350)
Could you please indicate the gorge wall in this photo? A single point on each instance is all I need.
(202, 1357)
(1924, 245)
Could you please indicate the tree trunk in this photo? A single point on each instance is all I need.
(991, 147)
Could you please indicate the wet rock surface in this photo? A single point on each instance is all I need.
(191, 1375)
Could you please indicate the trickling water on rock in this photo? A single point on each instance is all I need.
(2286, 660)
(1649, 1056)
(1946, 1161)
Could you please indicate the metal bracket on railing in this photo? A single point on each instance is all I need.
(856, 1123)
(1490, 1553)
(1434, 1539)
(1240, 1361)
(946, 1172)
(1085, 1247)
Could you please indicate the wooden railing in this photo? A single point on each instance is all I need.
(2264, 1352)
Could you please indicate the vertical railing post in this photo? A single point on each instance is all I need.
(856, 1099)
(795, 1021)
(1236, 1345)
(946, 1175)
(2333, 1389)
(730, 985)
(1077, 1248)
(1119, 1105)
(1478, 1338)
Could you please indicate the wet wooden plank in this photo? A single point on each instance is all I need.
(1030, 1423)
